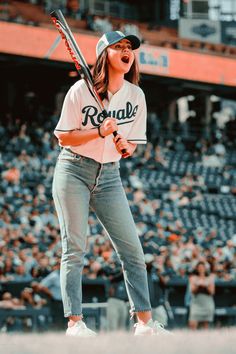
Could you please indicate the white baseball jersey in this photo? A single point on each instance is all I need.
(80, 111)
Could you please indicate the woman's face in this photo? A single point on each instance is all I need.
(201, 268)
(120, 56)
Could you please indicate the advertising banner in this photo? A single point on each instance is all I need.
(187, 65)
(153, 60)
(200, 30)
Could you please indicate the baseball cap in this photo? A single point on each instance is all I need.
(113, 37)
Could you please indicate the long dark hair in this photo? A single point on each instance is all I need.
(100, 74)
(196, 272)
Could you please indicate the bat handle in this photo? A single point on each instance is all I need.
(124, 152)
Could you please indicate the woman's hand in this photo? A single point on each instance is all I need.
(201, 282)
(108, 126)
(122, 144)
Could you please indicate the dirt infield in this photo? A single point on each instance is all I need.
(184, 342)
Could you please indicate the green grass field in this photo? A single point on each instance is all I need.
(221, 341)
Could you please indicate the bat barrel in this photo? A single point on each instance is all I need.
(58, 15)
(75, 52)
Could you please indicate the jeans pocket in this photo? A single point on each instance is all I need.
(69, 156)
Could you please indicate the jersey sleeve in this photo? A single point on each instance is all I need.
(137, 134)
(70, 118)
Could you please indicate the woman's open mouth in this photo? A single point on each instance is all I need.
(125, 59)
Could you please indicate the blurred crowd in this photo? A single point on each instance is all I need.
(29, 228)
(30, 246)
(71, 9)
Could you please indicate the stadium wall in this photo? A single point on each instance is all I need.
(36, 42)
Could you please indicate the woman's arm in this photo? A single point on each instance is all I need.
(76, 137)
(79, 137)
(211, 285)
(193, 285)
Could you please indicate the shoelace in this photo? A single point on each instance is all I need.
(81, 324)
(157, 325)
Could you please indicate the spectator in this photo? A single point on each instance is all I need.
(20, 274)
(73, 9)
(130, 28)
(28, 299)
(50, 288)
(12, 175)
(102, 25)
(10, 303)
(202, 287)
(50, 284)
(156, 283)
(117, 308)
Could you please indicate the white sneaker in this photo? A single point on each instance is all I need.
(80, 330)
(152, 328)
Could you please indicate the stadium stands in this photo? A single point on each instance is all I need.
(176, 213)
(181, 191)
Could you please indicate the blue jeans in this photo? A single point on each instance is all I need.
(79, 183)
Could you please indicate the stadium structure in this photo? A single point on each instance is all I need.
(188, 73)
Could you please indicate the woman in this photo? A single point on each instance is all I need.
(87, 175)
(202, 289)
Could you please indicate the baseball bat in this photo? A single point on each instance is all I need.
(79, 60)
